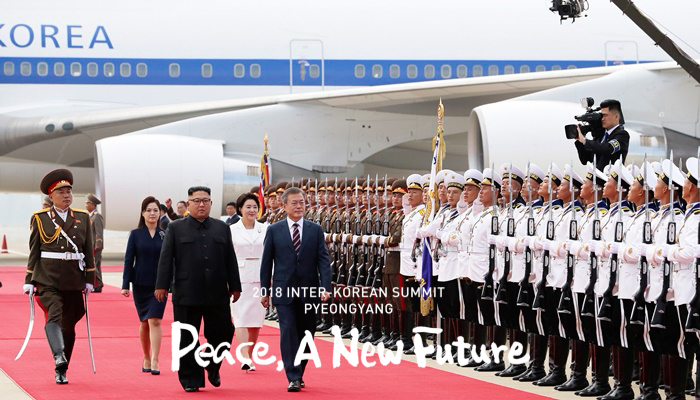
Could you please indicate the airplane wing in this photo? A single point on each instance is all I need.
(66, 135)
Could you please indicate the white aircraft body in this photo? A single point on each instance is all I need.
(141, 98)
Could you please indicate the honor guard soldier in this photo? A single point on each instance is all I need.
(511, 216)
(451, 239)
(271, 204)
(547, 328)
(280, 215)
(524, 260)
(98, 229)
(410, 272)
(61, 266)
(560, 319)
(392, 267)
(666, 320)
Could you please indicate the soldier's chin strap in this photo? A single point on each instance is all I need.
(80, 256)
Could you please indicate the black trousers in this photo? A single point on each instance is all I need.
(294, 321)
(218, 328)
(64, 307)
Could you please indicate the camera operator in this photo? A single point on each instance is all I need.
(609, 142)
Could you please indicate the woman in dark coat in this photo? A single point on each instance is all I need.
(140, 269)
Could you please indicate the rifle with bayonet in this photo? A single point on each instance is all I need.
(501, 295)
(638, 315)
(605, 313)
(366, 264)
(658, 319)
(356, 254)
(539, 303)
(524, 295)
(343, 225)
(566, 305)
(487, 292)
(382, 229)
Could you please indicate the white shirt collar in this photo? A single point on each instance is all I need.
(291, 226)
(613, 128)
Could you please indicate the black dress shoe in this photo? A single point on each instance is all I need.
(512, 370)
(97, 290)
(294, 386)
(302, 384)
(491, 366)
(325, 326)
(534, 374)
(214, 378)
(553, 379)
(374, 337)
(619, 393)
(577, 381)
(382, 339)
(594, 389)
(61, 377)
(473, 364)
(327, 331)
(191, 389)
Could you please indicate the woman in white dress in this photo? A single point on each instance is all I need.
(248, 235)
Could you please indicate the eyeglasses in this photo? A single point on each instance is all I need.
(201, 201)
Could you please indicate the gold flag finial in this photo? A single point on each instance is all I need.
(440, 132)
(266, 141)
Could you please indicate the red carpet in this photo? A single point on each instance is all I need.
(118, 359)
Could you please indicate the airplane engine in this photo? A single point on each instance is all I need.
(519, 131)
(132, 167)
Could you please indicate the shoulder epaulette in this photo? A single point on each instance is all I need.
(603, 211)
(518, 205)
(626, 209)
(696, 211)
(678, 211)
(42, 211)
(556, 207)
(80, 211)
(421, 211)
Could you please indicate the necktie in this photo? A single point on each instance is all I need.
(296, 238)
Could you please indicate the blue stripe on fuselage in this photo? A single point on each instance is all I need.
(272, 72)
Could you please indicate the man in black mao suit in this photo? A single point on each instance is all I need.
(198, 251)
(302, 275)
(608, 144)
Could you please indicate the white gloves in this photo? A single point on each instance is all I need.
(462, 206)
(614, 247)
(477, 207)
(28, 288)
(697, 251)
(89, 287)
(549, 245)
(492, 239)
(536, 244)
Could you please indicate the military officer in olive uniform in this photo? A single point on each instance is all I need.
(61, 265)
(98, 229)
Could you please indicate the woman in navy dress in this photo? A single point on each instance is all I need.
(141, 269)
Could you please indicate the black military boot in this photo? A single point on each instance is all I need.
(579, 367)
(675, 375)
(559, 352)
(54, 334)
(689, 384)
(498, 336)
(516, 336)
(601, 363)
(376, 330)
(649, 371)
(623, 359)
(538, 349)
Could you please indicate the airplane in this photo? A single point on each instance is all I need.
(151, 98)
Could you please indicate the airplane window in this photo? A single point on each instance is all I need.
(207, 70)
(429, 71)
(461, 71)
(446, 71)
(25, 69)
(394, 71)
(9, 68)
(412, 71)
(59, 69)
(556, 68)
(76, 69)
(571, 67)
(174, 70)
(141, 70)
(108, 69)
(92, 69)
(255, 70)
(314, 71)
(478, 70)
(377, 71)
(524, 69)
(359, 71)
(42, 69)
(125, 70)
(239, 70)
(540, 68)
(509, 69)
(493, 69)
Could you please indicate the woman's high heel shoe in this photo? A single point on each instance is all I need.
(155, 371)
(245, 367)
(144, 369)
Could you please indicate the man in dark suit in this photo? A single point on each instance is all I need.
(609, 143)
(198, 250)
(163, 221)
(302, 275)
